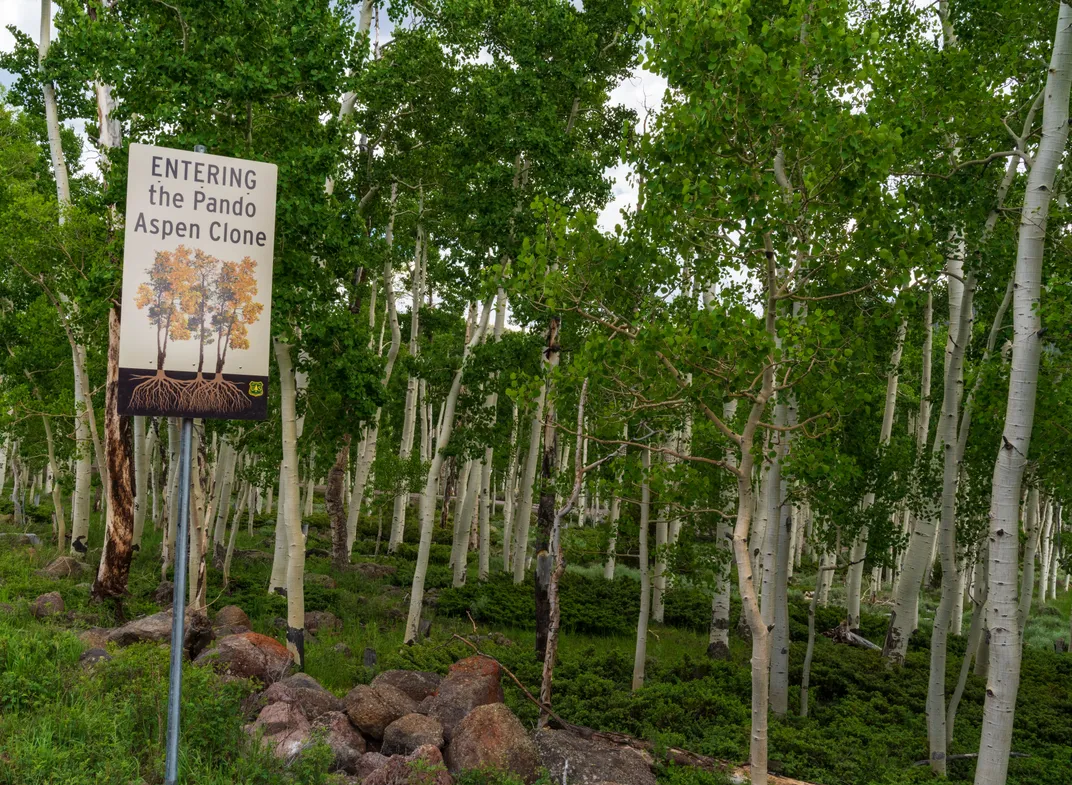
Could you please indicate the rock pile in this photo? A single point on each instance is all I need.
(415, 728)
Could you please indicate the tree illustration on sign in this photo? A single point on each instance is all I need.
(170, 276)
(192, 293)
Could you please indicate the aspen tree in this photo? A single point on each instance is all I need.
(1002, 623)
(428, 497)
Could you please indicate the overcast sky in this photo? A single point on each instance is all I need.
(643, 92)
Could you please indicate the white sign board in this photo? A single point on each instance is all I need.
(197, 285)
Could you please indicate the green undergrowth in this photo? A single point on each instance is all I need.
(62, 724)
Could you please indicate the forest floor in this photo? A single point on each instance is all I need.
(63, 723)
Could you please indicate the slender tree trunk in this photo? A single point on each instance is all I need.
(398, 519)
(141, 479)
(1005, 639)
(428, 497)
(641, 654)
(718, 641)
(277, 583)
(245, 501)
(333, 502)
(615, 510)
(228, 464)
(295, 537)
(1027, 576)
(905, 612)
(960, 327)
(509, 496)
(83, 471)
(559, 565)
(523, 517)
(463, 523)
(119, 482)
(805, 679)
(975, 634)
(545, 513)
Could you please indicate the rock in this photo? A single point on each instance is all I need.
(304, 691)
(417, 684)
(322, 553)
(491, 737)
(91, 657)
(372, 709)
(279, 623)
(592, 760)
(374, 571)
(22, 539)
(47, 605)
(424, 628)
(399, 770)
(344, 740)
(319, 579)
(231, 620)
(320, 621)
(164, 594)
(157, 629)
(63, 567)
(249, 655)
(370, 762)
(410, 732)
(283, 727)
(369, 658)
(343, 649)
(94, 637)
(471, 682)
(7, 608)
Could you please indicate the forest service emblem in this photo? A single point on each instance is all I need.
(256, 389)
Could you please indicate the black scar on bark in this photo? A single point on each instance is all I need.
(296, 635)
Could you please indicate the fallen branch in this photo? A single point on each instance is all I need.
(675, 755)
(842, 634)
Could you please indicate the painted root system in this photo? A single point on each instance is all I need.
(191, 295)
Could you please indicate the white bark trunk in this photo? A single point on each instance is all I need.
(960, 329)
(509, 495)
(428, 497)
(615, 511)
(1005, 639)
(405, 449)
(295, 538)
(141, 479)
(523, 517)
(52, 117)
(83, 472)
(905, 612)
(718, 639)
(641, 653)
(277, 583)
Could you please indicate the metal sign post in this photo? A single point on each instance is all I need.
(178, 604)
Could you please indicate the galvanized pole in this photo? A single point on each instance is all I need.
(178, 605)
